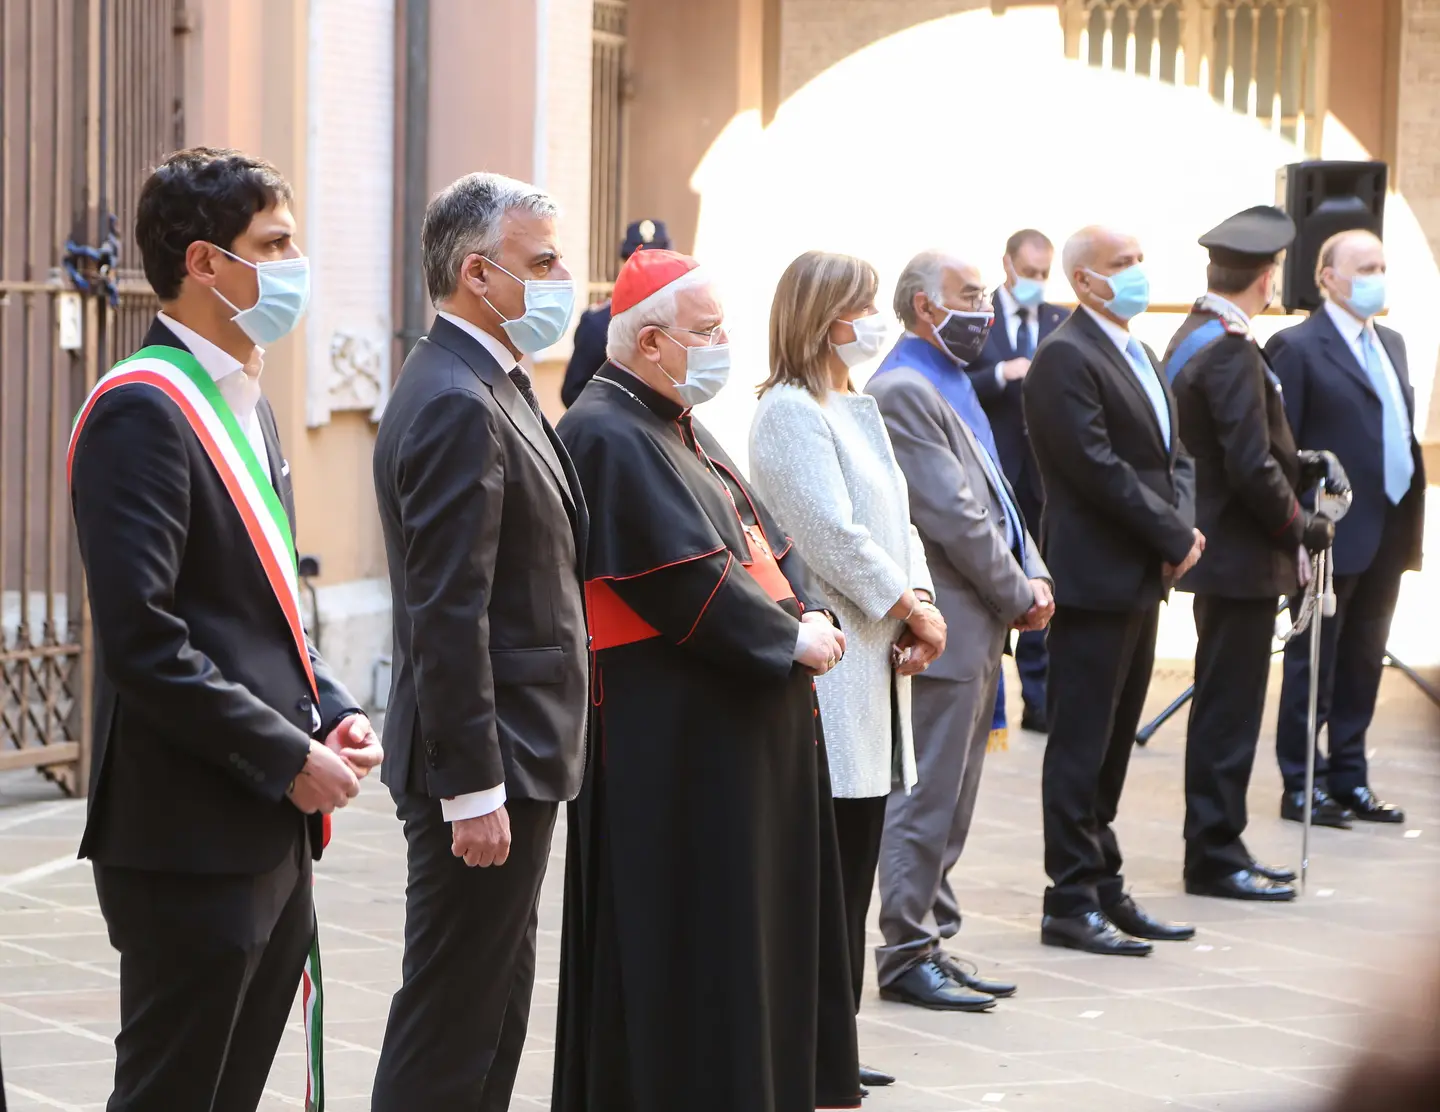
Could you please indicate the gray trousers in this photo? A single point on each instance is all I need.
(925, 831)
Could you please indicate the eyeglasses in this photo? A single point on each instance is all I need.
(970, 302)
(712, 336)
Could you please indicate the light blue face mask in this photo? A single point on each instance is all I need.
(1028, 292)
(1367, 295)
(284, 291)
(1129, 291)
(549, 305)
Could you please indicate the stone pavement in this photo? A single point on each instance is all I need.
(1260, 1012)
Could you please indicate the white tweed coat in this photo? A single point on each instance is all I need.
(828, 474)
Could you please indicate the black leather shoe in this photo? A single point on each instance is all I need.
(1091, 932)
(1131, 918)
(1035, 720)
(875, 1077)
(1245, 884)
(1282, 873)
(1325, 811)
(1367, 807)
(969, 976)
(927, 985)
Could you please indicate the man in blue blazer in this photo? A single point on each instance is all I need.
(1347, 388)
(1022, 320)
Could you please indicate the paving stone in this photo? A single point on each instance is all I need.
(1261, 1021)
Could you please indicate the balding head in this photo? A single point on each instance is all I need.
(1098, 250)
(1345, 257)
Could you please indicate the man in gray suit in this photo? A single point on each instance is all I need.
(989, 578)
(485, 532)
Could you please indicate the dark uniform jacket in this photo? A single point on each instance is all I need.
(1247, 469)
(588, 355)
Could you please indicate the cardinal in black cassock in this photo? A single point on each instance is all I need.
(704, 961)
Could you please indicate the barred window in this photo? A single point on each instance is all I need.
(1260, 58)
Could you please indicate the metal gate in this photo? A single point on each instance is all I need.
(609, 94)
(89, 100)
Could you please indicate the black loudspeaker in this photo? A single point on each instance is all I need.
(1324, 198)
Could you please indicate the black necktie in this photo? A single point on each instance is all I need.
(522, 383)
(1024, 349)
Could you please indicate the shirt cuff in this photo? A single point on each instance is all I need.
(473, 805)
(1000, 374)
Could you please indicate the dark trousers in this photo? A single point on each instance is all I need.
(458, 1021)
(1100, 664)
(1032, 661)
(858, 825)
(209, 969)
(1232, 669)
(1352, 658)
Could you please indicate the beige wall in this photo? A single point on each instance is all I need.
(1418, 133)
(695, 67)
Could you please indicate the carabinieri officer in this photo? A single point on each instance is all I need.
(1247, 477)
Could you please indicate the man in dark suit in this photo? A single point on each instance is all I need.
(1022, 320)
(1347, 389)
(208, 697)
(1247, 478)
(1118, 530)
(588, 355)
(485, 530)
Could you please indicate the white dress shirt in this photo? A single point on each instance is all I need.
(498, 351)
(472, 805)
(1353, 332)
(238, 383)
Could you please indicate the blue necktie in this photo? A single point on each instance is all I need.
(1024, 349)
(1399, 464)
(1150, 383)
(1014, 534)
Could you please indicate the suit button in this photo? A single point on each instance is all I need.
(235, 759)
(303, 706)
(432, 751)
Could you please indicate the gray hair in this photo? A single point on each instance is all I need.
(465, 218)
(922, 274)
(1078, 251)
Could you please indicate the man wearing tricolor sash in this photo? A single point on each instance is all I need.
(222, 741)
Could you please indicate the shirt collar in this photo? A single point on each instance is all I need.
(217, 362)
(498, 351)
(1349, 328)
(1120, 337)
(1226, 303)
(1007, 302)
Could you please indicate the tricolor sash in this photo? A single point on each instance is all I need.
(178, 375)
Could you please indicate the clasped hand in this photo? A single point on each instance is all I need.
(821, 646)
(333, 770)
(1041, 611)
(1172, 572)
(923, 640)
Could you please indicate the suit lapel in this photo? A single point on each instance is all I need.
(1051, 318)
(1341, 353)
(1390, 342)
(1002, 325)
(531, 427)
(1111, 354)
(270, 433)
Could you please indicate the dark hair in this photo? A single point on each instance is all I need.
(1233, 279)
(1024, 236)
(202, 193)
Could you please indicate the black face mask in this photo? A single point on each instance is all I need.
(964, 334)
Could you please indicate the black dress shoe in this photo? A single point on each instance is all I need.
(1324, 811)
(927, 985)
(969, 976)
(1282, 873)
(1035, 720)
(875, 1077)
(1367, 807)
(1131, 918)
(1091, 932)
(1244, 884)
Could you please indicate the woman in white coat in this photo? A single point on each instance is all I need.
(821, 460)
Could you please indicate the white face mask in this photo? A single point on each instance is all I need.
(870, 335)
(283, 287)
(707, 369)
(549, 304)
